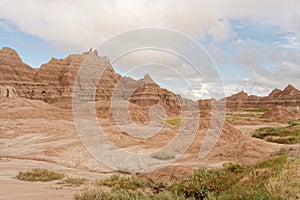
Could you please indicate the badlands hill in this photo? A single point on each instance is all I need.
(12, 67)
(290, 96)
(53, 82)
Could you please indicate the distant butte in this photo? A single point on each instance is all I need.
(290, 96)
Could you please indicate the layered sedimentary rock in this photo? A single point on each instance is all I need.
(8, 91)
(54, 81)
(150, 93)
(282, 114)
(290, 96)
(16, 76)
(12, 67)
(243, 100)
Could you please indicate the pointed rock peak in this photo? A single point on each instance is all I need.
(242, 93)
(275, 92)
(91, 51)
(147, 79)
(239, 95)
(7, 52)
(290, 87)
(290, 90)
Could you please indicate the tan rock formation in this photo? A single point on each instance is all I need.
(54, 82)
(12, 67)
(8, 91)
(150, 93)
(282, 114)
(290, 96)
(243, 100)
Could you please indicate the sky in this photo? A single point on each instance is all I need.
(254, 44)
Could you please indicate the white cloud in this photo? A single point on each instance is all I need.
(263, 80)
(220, 31)
(217, 53)
(5, 25)
(295, 21)
(82, 24)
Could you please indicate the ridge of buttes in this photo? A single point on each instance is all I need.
(53, 83)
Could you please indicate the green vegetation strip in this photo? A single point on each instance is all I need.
(233, 181)
(257, 110)
(283, 135)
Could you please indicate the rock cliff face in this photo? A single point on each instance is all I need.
(54, 81)
(150, 93)
(12, 67)
(290, 96)
(242, 100)
(16, 77)
(8, 91)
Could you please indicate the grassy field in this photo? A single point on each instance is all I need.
(275, 178)
(283, 135)
(238, 114)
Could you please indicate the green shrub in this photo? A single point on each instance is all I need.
(233, 181)
(202, 182)
(231, 166)
(162, 155)
(39, 175)
(275, 163)
(73, 181)
(173, 121)
(246, 193)
(98, 194)
(128, 183)
(286, 140)
(294, 123)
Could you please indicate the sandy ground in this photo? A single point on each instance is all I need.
(12, 188)
(34, 134)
